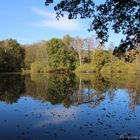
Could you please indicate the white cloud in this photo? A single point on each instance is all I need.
(45, 13)
(60, 115)
(50, 21)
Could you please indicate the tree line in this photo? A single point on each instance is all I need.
(66, 55)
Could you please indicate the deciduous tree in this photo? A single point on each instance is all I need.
(122, 16)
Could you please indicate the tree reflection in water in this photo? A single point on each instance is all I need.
(12, 86)
(69, 89)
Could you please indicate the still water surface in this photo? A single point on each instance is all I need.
(66, 107)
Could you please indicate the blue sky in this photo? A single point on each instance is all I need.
(30, 21)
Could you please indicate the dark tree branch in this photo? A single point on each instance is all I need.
(122, 16)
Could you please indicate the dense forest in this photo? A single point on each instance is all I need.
(11, 56)
(67, 55)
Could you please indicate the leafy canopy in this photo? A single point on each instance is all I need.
(122, 16)
(11, 55)
(60, 56)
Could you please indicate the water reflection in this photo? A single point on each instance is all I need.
(53, 88)
(69, 89)
(40, 107)
(11, 87)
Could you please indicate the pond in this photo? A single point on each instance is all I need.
(66, 107)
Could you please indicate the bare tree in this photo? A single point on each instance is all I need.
(78, 44)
